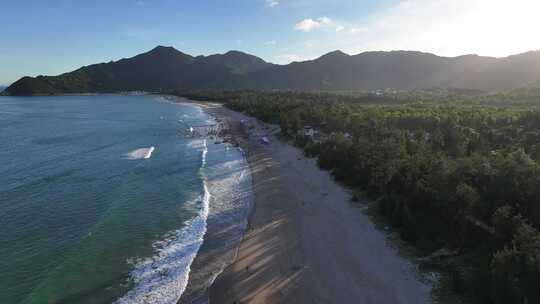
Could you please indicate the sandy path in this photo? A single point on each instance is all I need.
(306, 242)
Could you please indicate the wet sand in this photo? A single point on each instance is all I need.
(306, 243)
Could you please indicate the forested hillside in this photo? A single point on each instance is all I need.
(165, 68)
(455, 177)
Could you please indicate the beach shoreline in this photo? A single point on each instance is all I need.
(228, 209)
(305, 242)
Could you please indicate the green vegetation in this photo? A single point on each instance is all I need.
(165, 68)
(457, 177)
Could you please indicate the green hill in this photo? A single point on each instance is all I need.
(165, 68)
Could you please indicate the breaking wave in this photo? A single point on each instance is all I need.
(163, 278)
(143, 153)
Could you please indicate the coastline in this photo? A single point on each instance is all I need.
(230, 202)
(305, 242)
(268, 267)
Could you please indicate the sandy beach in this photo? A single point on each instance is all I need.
(305, 242)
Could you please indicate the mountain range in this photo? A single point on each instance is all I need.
(165, 68)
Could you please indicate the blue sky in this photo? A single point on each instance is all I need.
(55, 36)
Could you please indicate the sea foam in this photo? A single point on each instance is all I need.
(163, 278)
(142, 153)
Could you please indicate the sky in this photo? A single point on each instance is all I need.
(49, 37)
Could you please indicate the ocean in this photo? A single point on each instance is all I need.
(108, 199)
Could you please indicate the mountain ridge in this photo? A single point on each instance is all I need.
(166, 68)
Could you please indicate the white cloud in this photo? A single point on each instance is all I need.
(325, 21)
(308, 25)
(270, 43)
(339, 28)
(271, 3)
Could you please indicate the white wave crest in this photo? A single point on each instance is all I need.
(204, 152)
(142, 153)
(163, 278)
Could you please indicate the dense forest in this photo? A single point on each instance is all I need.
(453, 171)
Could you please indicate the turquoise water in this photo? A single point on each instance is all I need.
(89, 214)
